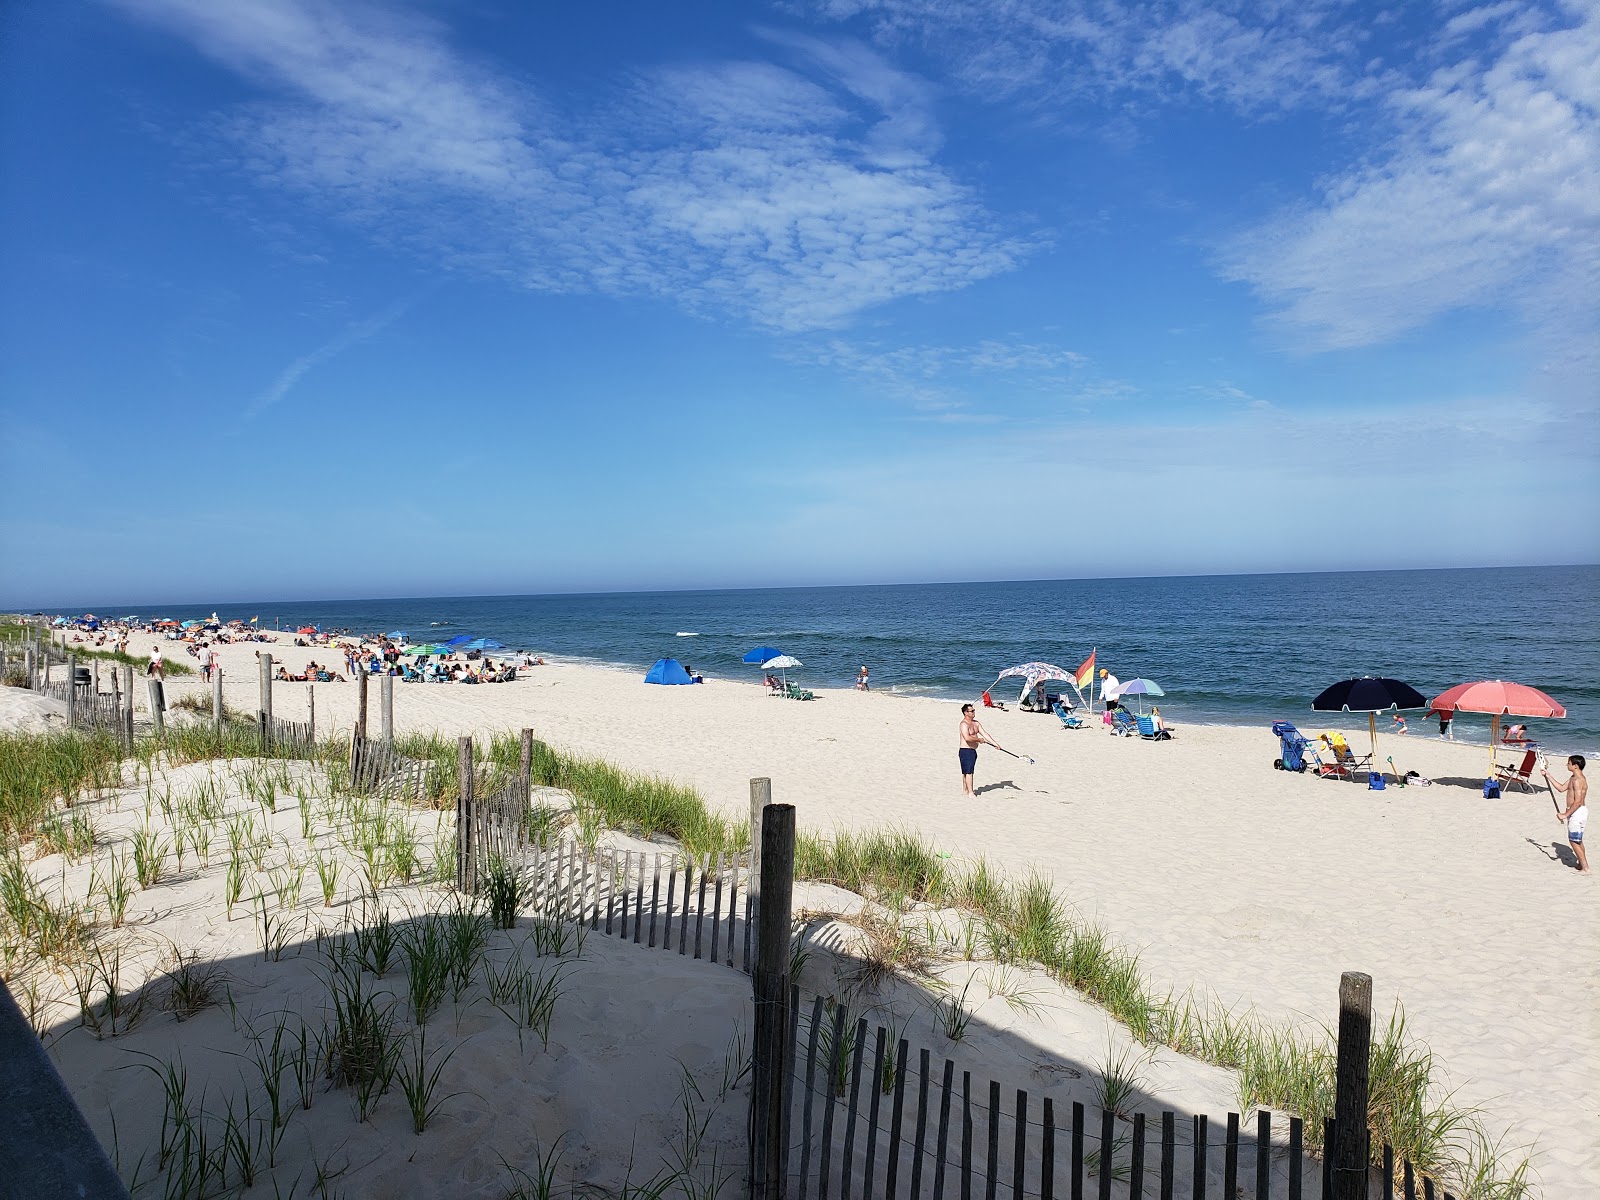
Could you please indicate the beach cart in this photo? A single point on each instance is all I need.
(1291, 747)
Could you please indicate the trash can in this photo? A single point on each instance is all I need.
(82, 676)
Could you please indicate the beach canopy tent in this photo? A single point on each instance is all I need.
(667, 670)
(484, 644)
(1499, 698)
(1371, 695)
(762, 654)
(1033, 674)
(1140, 688)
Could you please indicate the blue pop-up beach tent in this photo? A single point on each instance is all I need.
(667, 670)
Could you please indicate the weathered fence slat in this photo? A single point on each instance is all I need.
(946, 1086)
(921, 1133)
(1077, 1150)
(811, 1094)
(1108, 1133)
(1169, 1140)
(872, 1116)
(897, 1120)
(847, 1167)
(992, 1164)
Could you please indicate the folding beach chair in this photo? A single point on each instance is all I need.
(1123, 723)
(1346, 762)
(1068, 720)
(1509, 773)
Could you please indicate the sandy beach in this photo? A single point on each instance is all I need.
(1250, 884)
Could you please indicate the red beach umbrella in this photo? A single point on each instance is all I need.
(1499, 698)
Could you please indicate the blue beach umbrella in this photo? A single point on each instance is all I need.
(1140, 687)
(485, 644)
(396, 635)
(761, 654)
(461, 639)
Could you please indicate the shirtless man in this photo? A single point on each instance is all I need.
(972, 736)
(1576, 790)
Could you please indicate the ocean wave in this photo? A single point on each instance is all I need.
(680, 633)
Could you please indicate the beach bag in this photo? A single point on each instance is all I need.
(1491, 789)
(1375, 782)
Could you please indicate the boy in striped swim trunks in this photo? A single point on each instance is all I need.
(1576, 790)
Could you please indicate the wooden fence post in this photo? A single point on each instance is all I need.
(464, 871)
(525, 766)
(264, 710)
(156, 693)
(72, 690)
(1348, 1155)
(127, 704)
(769, 1090)
(311, 707)
(216, 696)
(386, 705)
(760, 797)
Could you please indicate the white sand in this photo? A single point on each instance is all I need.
(1251, 884)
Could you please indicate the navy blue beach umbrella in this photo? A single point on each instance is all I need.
(461, 639)
(761, 654)
(1369, 694)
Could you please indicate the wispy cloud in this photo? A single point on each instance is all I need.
(946, 382)
(1260, 57)
(795, 196)
(356, 331)
(1490, 194)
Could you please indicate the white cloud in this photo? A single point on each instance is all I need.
(795, 197)
(1490, 195)
(1256, 57)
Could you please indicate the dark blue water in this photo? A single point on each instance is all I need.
(1233, 649)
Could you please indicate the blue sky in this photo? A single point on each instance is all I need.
(317, 299)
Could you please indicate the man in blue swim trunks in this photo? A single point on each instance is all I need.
(972, 736)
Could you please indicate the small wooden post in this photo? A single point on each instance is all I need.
(1348, 1155)
(216, 696)
(769, 1092)
(311, 706)
(464, 872)
(264, 711)
(525, 766)
(760, 797)
(127, 704)
(361, 706)
(386, 706)
(72, 690)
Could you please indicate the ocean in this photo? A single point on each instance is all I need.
(1230, 649)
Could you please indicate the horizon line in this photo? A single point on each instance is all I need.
(645, 591)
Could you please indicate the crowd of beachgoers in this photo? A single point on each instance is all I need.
(370, 654)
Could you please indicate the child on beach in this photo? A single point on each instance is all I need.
(1399, 723)
(1576, 816)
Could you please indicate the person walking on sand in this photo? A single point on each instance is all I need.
(971, 736)
(1576, 790)
(861, 680)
